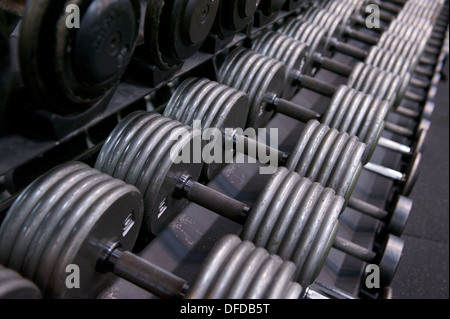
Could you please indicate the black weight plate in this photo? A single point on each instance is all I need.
(47, 48)
(233, 16)
(90, 60)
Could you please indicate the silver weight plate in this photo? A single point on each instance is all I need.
(288, 217)
(263, 75)
(285, 49)
(236, 269)
(141, 151)
(64, 218)
(215, 105)
(14, 286)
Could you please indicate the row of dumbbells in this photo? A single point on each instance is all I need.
(138, 152)
(72, 56)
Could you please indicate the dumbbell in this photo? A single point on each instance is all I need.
(287, 205)
(299, 60)
(214, 105)
(320, 39)
(324, 42)
(387, 257)
(68, 70)
(314, 36)
(394, 217)
(262, 85)
(403, 179)
(14, 286)
(362, 76)
(293, 54)
(174, 30)
(222, 107)
(75, 215)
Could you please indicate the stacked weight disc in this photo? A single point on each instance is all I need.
(97, 217)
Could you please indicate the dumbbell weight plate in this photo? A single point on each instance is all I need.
(331, 158)
(293, 218)
(270, 78)
(411, 174)
(214, 104)
(400, 214)
(233, 16)
(233, 270)
(390, 259)
(287, 50)
(14, 286)
(174, 30)
(68, 70)
(141, 151)
(357, 114)
(61, 219)
(269, 7)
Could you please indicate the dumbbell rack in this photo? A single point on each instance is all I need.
(183, 245)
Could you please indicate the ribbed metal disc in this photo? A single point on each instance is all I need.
(236, 269)
(411, 174)
(14, 286)
(63, 218)
(357, 114)
(300, 31)
(326, 156)
(374, 81)
(262, 75)
(215, 105)
(285, 49)
(288, 217)
(390, 258)
(140, 151)
(399, 216)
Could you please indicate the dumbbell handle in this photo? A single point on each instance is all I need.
(368, 209)
(144, 274)
(395, 9)
(256, 146)
(313, 84)
(385, 172)
(290, 109)
(394, 146)
(354, 250)
(399, 130)
(211, 199)
(331, 65)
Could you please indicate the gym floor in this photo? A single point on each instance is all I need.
(424, 272)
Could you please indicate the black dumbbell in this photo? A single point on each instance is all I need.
(68, 70)
(175, 30)
(233, 16)
(14, 286)
(75, 215)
